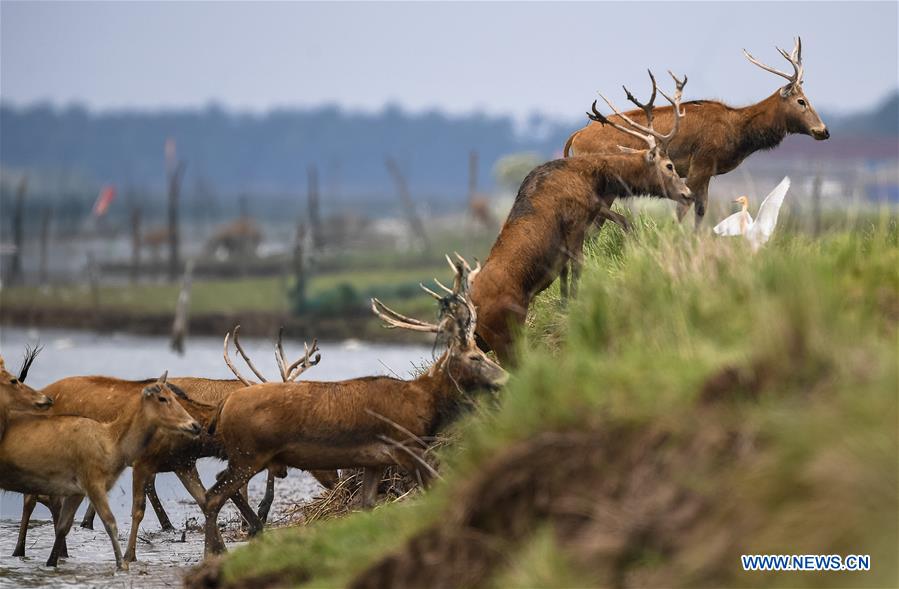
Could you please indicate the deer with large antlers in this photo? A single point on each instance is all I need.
(715, 138)
(73, 457)
(556, 204)
(104, 399)
(365, 422)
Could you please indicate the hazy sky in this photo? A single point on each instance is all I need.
(500, 57)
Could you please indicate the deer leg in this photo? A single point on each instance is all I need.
(140, 478)
(266, 504)
(698, 183)
(411, 465)
(28, 504)
(251, 521)
(616, 218)
(63, 525)
(97, 495)
(87, 521)
(701, 199)
(229, 482)
(161, 515)
(54, 504)
(190, 478)
(326, 478)
(371, 477)
(577, 264)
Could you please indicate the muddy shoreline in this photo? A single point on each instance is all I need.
(163, 557)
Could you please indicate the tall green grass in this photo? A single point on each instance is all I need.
(660, 313)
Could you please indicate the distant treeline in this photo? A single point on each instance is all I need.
(268, 154)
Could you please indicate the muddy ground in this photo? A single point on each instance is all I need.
(163, 557)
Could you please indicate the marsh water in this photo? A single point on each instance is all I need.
(163, 557)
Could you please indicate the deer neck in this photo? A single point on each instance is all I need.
(619, 176)
(761, 126)
(447, 401)
(201, 412)
(4, 419)
(131, 433)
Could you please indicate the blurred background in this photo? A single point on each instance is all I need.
(287, 161)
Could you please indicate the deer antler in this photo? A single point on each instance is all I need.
(30, 354)
(647, 133)
(464, 274)
(468, 275)
(795, 59)
(246, 358)
(289, 373)
(394, 319)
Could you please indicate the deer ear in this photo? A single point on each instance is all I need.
(787, 91)
(178, 391)
(650, 156)
(151, 390)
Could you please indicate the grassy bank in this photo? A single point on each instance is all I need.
(694, 404)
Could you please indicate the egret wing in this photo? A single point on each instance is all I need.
(766, 219)
(736, 224)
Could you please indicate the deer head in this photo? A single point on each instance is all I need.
(14, 393)
(655, 157)
(463, 361)
(797, 110)
(161, 408)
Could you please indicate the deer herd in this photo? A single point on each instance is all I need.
(75, 437)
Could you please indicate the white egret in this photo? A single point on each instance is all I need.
(757, 232)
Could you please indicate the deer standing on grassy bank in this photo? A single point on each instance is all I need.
(353, 423)
(555, 205)
(715, 138)
(70, 457)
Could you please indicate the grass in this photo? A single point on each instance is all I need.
(768, 384)
(222, 296)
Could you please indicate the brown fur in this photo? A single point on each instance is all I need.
(104, 399)
(330, 425)
(71, 456)
(713, 138)
(545, 230)
(15, 395)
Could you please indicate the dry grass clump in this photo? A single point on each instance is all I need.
(346, 496)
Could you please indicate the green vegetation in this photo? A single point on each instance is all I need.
(740, 404)
(227, 295)
(339, 284)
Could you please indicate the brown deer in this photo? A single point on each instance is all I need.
(103, 399)
(70, 457)
(17, 396)
(716, 137)
(555, 205)
(352, 423)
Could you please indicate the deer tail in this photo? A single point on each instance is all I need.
(567, 149)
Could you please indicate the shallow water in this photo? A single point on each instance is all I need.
(163, 557)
